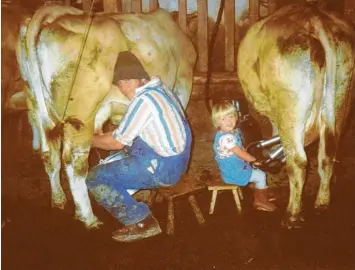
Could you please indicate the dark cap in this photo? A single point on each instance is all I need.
(128, 67)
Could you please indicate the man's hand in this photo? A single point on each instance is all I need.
(106, 142)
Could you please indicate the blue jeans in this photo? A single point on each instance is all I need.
(141, 168)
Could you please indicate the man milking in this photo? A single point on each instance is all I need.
(157, 138)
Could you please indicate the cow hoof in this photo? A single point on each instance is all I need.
(60, 204)
(292, 222)
(92, 224)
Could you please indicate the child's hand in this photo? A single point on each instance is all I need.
(256, 164)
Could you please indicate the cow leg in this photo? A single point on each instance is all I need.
(75, 158)
(291, 127)
(326, 156)
(296, 163)
(50, 154)
(52, 164)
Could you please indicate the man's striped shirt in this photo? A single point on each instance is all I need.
(156, 116)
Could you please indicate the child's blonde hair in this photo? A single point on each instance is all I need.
(222, 109)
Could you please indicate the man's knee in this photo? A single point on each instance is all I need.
(93, 178)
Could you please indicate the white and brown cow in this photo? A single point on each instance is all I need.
(296, 67)
(67, 88)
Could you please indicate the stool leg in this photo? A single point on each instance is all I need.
(151, 198)
(196, 209)
(237, 201)
(170, 222)
(240, 193)
(213, 201)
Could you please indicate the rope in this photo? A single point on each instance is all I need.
(89, 23)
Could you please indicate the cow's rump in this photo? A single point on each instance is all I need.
(299, 74)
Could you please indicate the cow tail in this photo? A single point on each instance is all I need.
(38, 88)
(327, 121)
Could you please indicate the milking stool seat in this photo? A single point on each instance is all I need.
(217, 184)
(187, 187)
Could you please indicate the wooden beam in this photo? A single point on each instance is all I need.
(229, 25)
(202, 32)
(153, 5)
(216, 78)
(253, 11)
(183, 15)
(217, 92)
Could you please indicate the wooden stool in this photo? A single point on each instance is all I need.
(185, 188)
(217, 185)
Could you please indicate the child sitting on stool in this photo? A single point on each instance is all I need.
(233, 160)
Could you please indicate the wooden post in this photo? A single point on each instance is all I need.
(136, 6)
(153, 5)
(271, 6)
(229, 25)
(183, 15)
(87, 5)
(110, 5)
(253, 11)
(349, 9)
(126, 6)
(202, 32)
(119, 5)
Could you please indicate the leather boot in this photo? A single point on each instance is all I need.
(271, 195)
(140, 230)
(261, 201)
